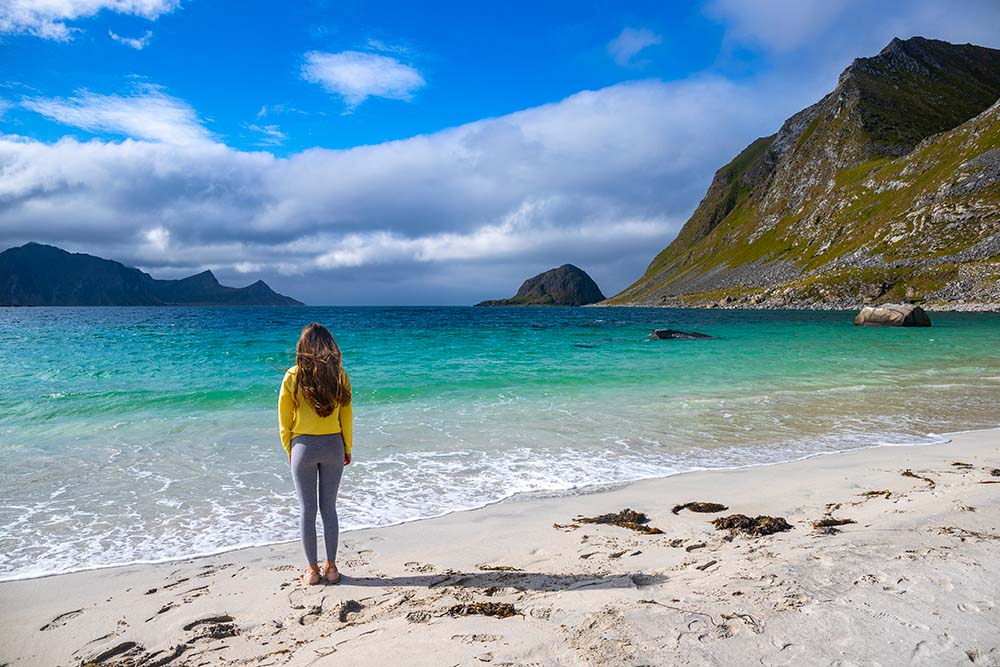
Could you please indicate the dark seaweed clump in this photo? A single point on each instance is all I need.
(757, 526)
(699, 507)
(829, 522)
(626, 519)
(497, 609)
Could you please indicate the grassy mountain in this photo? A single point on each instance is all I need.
(887, 188)
(43, 275)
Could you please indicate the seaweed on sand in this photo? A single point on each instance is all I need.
(873, 494)
(963, 466)
(497, 609)
(757, 526)
(829, 522)
(626, 519)
(699, 507)
(910, 473)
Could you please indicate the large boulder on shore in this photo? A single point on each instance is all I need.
(893, 315)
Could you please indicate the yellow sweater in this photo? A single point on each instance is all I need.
(296, 415)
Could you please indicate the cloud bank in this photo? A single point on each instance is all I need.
(601, 178)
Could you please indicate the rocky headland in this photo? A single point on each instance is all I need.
(886, 190)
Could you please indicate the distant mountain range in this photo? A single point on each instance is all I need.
(887, 189)
(43, 275)
(566, 285)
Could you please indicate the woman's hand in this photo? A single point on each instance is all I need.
(347, 459)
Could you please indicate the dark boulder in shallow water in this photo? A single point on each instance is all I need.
(674, 334)
(893, 315)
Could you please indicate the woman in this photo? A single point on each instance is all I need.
(314, 417)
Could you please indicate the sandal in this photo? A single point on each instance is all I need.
(312, 576)
(330, 573)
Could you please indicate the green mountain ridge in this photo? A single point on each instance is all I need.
(886, 189)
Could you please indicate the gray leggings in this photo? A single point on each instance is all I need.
(318, 458)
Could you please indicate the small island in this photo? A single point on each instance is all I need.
(42, 275)
(567, 285)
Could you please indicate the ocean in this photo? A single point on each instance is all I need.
(148, 434)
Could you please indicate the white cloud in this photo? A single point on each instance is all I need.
(272, 134)
(356, 76)
(149, 114)
(630, 42)
(48, 18)
(379, 45)
(157, 239)
(137, 43)
(5, 106)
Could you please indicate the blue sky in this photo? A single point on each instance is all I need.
(363, 153)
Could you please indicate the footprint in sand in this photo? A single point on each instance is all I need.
(61, 620)
(349, 610)
(311, 616)
(477, 638)
(414, 566)
(363, 557)
(929, 648)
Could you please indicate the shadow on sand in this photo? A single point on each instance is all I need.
(522, 581)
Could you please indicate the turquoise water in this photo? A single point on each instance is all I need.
(135, 434)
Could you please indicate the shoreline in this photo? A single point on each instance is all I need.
(912, 574)
(976, 307)
(588, 489)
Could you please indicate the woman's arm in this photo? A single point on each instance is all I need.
(286, 412)
(347, 423)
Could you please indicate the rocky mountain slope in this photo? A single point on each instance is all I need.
(886, 189)
(564, 286)
(42, 275)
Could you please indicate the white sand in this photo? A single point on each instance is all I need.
(915, 581)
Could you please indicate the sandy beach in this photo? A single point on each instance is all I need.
(911, 581)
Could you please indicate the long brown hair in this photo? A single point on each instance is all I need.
(320, 374)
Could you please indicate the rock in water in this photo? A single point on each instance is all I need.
(674, 334)
(565, 286)
(893, 315)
